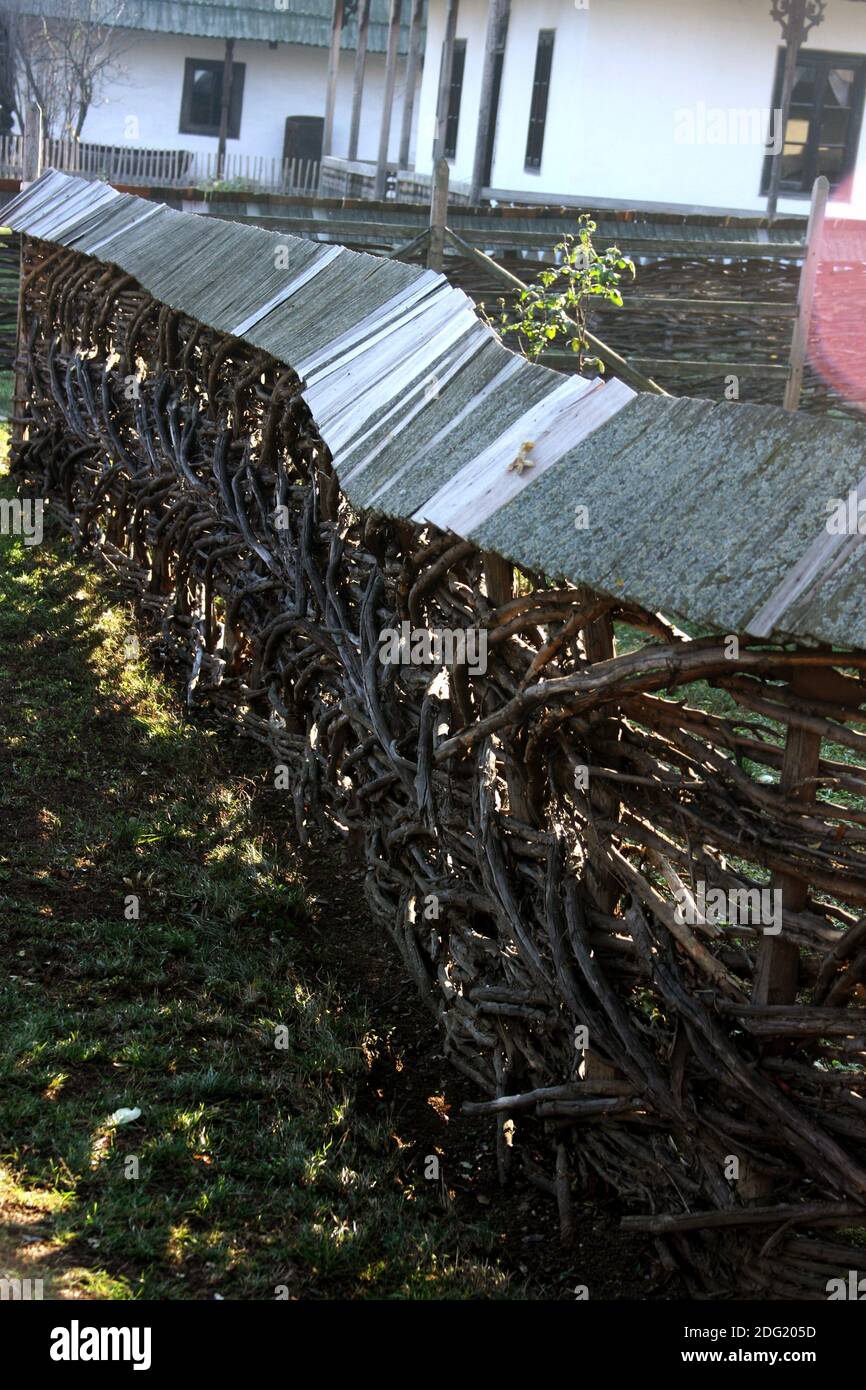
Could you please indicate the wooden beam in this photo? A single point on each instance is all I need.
(806, 294)
(438, 216)
(445, 80)
(333, 74)
(743, 308)
(360, 70)
(388, 98)
(410, 248)
(225, 106)
(411, 79)
(681, 366)
(498, 13)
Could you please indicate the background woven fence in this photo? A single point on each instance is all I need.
(677, 343)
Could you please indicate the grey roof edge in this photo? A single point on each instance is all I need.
(305, 25)
(668, 548)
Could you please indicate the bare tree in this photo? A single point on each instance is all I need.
(63, 52)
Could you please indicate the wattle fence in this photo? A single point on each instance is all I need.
(581, 672)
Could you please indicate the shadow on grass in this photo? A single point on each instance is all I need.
(151, 927)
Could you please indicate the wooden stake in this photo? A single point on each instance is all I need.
(806, 293)
(388, 99)
(228, 74)
(599, 644)
(445, 80)
(499, 577)
(411, 78)
(499, 582)
(777, 971)
(563, 1195)
(776, 977)
(497, 29)
(438, 216)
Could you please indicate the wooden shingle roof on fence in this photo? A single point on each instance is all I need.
(712, 512)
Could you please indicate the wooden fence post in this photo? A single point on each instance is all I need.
(778, 960)
(499, 576)
(777, 970)
(499, 582)
(438, 216)
(599, 644)
(806, 293)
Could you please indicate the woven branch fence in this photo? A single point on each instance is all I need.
(754, 346)
(528, 829)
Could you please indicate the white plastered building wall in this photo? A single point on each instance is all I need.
(141, 105)
(626, 75)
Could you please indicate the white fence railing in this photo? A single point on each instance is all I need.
(127, 164)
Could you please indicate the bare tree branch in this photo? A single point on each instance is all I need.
(63, 53)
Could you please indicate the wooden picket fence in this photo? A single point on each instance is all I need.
(129, 164)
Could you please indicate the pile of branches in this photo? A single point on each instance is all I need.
(534, 831)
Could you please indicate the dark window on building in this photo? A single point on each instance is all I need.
(303, 137)
(540, 93)
(455, 92)
(201, 104)
(823, 126)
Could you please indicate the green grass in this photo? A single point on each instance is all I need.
(7, 387)
(259, 1169)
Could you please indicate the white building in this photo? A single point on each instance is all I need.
(652, 102)
(163, 91)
